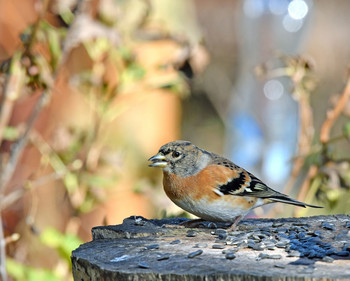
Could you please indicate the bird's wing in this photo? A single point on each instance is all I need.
(242, 183)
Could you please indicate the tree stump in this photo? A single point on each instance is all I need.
(310, 248)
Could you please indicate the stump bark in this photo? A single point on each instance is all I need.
(312, 248)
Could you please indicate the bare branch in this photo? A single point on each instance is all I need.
(17, 147)
(3, 274)
(334, 113)
(13, 87)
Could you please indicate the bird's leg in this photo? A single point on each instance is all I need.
(235, 223)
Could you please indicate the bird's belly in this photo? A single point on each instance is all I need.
(215, 210)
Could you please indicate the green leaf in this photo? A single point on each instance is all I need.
(97, 48)
(133, 73)
(125, 53)
(87, 205)
(67, 16)
(346, 129)
(71, 181)
(98, 180)
(314, 158)
(10, 133)
(63, 243)
(21, 272)
(53, 37)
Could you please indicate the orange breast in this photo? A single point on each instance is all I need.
(196, 195)
(197, 186)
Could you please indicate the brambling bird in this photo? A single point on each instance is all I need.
(210, 186)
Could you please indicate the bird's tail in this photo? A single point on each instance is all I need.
(288, 200)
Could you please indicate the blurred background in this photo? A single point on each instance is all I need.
(89, 90)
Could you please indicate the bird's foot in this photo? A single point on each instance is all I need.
(235, 223)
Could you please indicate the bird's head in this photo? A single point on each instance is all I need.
(181, 158)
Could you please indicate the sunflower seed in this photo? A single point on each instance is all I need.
(212, 225)
(328, 259)
(294, 254)
(346, 247)
(163, 257)
(301, 224)
(194, 254)
(230, 256)
(177, 241)
(200, 245)
(143, 265)
(222, 236)
(342, 253)
(220, 231)
(191, 233)
(281, 244)
(152, 247)
(261, 256)
(139, 221)
(218, 246)
(275, 257)
(231, 250)
(328, 226)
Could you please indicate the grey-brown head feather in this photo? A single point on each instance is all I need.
(190, 159)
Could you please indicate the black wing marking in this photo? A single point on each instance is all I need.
(246, 184)
(256, 188)
(234, 186)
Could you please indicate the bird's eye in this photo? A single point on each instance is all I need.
(176, 154)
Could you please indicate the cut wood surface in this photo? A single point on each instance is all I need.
(312, 248)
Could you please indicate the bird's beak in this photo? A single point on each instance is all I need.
(158, 160)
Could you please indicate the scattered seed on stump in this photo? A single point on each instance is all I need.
(231, 250)
(143, 265)
(194, 254)
(328, 226)
(191, 233)
(230, 256)
(200, 245)
(163, 257)
(328, 259)
(222, 236)
(218, 246)
(342, 253)
(219, 231)
(212, 225)
(152, 247)
(267, 256)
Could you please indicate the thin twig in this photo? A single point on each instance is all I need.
(312, 172)
(305, 140)
(17, 148)
(333, 114)
(3, 274)
(3, 96)
(15, 195)
(13, 90)
(327, 125)
(9, 199)
(13, 87)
